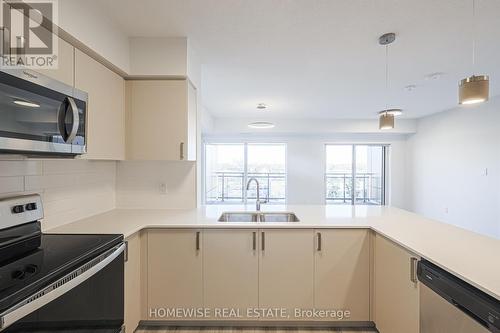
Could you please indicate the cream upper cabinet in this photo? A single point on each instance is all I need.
(230, 270)
(133, 282)
(342, 273)
(174, 274)
(396, 292)
(65, 63)
(286, 269)
(161, 120)
(105, 108)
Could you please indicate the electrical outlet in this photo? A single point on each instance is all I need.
(163, 188)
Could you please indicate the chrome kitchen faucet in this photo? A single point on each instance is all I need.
(258, 202)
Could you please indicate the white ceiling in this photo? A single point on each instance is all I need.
(320, 58)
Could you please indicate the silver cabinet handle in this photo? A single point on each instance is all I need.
(197, 241)
(319, 248)
(263, 241)
(254, 240)
(413, 269)
(182, 151)
(59, 287)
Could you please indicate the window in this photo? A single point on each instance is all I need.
(228, 167)
(355, 174)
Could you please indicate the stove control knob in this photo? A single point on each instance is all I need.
(18, 275)
(31, 269)
(18, 209)
(31, 206)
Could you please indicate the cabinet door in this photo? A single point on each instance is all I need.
(174, 272)
(286, 269)
(105, 108)
(342, 272)
(133, 283)
(230, 269)
(157, 119)
(396, 296)
(65, 63)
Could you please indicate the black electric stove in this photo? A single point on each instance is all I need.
(57, 254)
(57, 282)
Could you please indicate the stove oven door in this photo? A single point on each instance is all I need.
(88, 299)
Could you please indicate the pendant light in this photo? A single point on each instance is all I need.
(386, 117)
(476, 88)
(386, 121)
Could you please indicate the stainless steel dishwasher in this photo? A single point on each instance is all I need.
(450, 305)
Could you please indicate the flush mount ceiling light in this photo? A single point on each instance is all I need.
(261, 106)
(386, 117)
(476, 88)
(26, 103)
(261, 125)
(411, 87)
(434, 76)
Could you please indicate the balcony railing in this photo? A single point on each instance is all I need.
(231, 187)
(368, 188)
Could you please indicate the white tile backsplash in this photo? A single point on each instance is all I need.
(70, 189)
(138, 185)
(11, 184)
(75, 189)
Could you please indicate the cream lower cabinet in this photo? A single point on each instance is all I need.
(396, 294)
(105, 108)
(174, 274)
(133, 302)
(342, 273)
(247, 270)
(286, 270)
(230, 272)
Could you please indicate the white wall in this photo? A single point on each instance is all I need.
(87, 22)
(70, 189)
(447, 160)
(158, 56)
(306, 163)
(172, 56)
(138, 184)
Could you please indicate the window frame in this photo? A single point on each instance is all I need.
(385, 160)
(245, 144)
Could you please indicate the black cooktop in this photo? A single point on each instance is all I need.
(57, 255)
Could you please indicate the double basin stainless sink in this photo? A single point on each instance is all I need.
(258, 217)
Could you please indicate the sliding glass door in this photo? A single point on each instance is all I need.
(355, 174)
(228, 167)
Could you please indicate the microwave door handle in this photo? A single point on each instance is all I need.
(59, 287)
(76, 120)
(68, 103)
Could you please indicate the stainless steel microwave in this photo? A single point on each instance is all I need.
(41, 116)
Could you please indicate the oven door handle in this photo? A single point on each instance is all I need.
(59, 287)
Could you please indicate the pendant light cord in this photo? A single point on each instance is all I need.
(387, 77)
(473, 36)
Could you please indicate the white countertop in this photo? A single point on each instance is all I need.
(468, 255)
